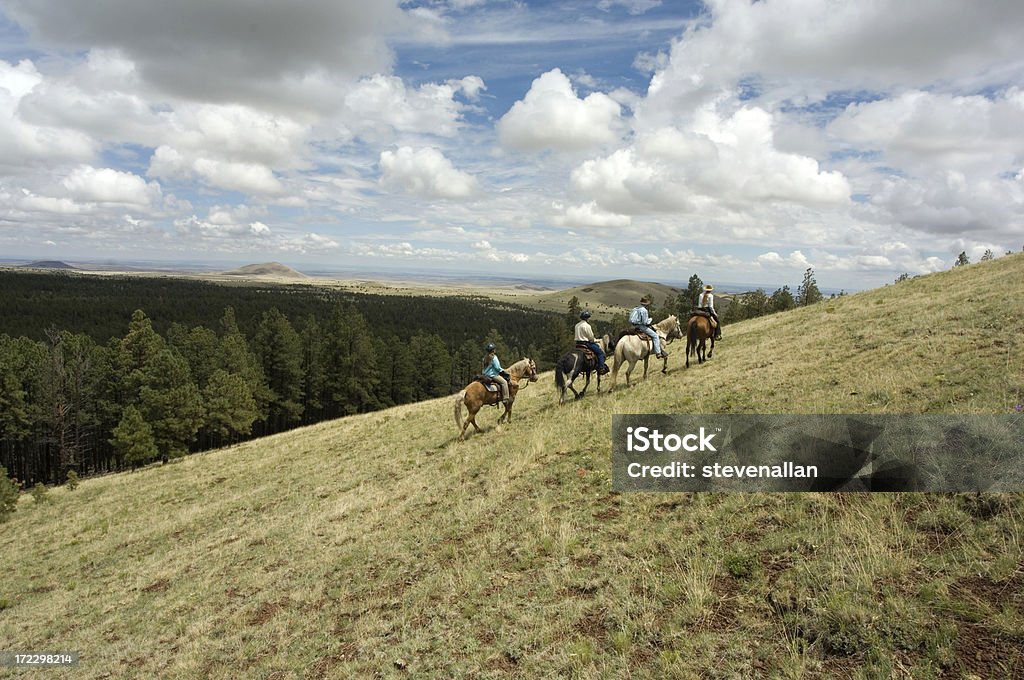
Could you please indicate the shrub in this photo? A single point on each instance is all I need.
(40, 494)
(72, 480)
(741, 565)
(8, 494)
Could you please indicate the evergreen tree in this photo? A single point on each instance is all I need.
(353, 375)
(398, 375)
(575, 308)
(230, 408)
(237, 358)
(171, 403)
(133, 438)
(688, 298)
(503, 351)
(200, 348)
(669, 306)
(962, 259)
(557, 341)
(465, 365)
(808, 293)
(781, 300)
(433, 366)
(8, 495)
(14, 414)
(280, 352)
(141, 342)
(902, 277)
(758, 303)
(314, 370)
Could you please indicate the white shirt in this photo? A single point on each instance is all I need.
(706, 300)
(584, 333)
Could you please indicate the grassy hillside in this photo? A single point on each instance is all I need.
(376, 546)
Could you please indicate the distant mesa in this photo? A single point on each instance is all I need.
(532, 286)
(268, 269)
(47, 264)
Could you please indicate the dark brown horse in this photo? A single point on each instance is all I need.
(698, 330)
(476, 396)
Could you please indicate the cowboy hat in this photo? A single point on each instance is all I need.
(708, 286)
(645, 300)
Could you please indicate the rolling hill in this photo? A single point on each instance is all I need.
(47, 264)
(266, 270)
(376, 545)
(617, 294)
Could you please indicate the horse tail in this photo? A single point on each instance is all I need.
(459, 398)
(691, 337)
(559, 377)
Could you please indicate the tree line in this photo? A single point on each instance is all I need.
(74, 403)
(747, 305)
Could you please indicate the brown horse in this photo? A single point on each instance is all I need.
(476, 396)
(698, 330)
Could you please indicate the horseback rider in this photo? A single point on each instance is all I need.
(640, 317)
(493, 370)
(706, 303)
(585, 337)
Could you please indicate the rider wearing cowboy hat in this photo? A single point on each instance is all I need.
(640, 317)
(706, 303)
(585, 336)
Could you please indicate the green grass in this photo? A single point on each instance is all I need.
(378, 546)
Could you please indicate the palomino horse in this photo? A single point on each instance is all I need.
(631, 348)
(574, 363)
(476, 396)
(698, 330)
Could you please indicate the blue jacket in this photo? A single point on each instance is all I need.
(493, 368)
(639, 316)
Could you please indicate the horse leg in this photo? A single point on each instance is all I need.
(711, 351)
(470, 419)
(584, 390)
(575, 394)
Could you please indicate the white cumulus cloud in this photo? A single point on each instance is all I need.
(552, 116)
(425, 172)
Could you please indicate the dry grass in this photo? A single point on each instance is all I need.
(377, 546)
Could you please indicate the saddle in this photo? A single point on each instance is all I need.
(490, 384)
(705, 314)
(633, 331)
(587, 352)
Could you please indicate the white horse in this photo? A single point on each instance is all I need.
(632, 348)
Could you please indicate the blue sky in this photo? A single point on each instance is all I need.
(591, 139)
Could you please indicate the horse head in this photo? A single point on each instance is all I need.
(525, 368)
(676, 331)
(532, 373)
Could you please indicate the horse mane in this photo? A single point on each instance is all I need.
(520, 368)
(666, 323)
